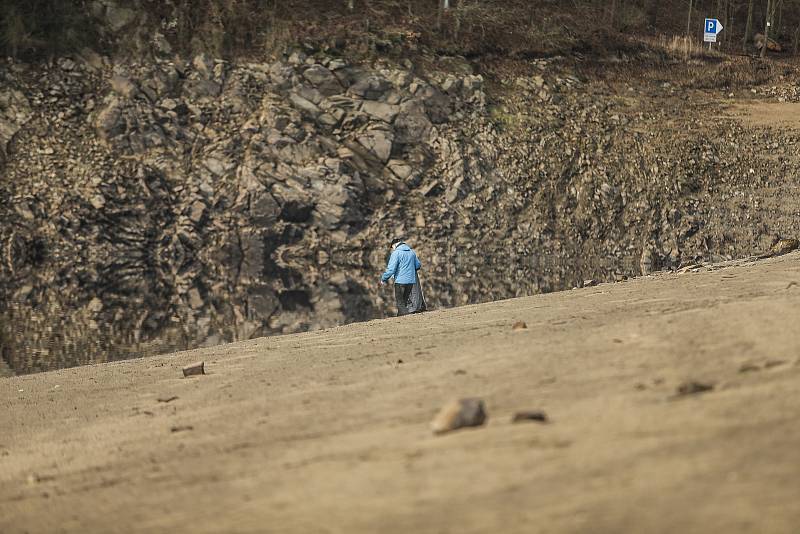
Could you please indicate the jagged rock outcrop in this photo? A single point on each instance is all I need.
(179, 203)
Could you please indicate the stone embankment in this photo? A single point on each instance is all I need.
(177, 203)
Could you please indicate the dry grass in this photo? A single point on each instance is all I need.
(512, 28)
(684, 48)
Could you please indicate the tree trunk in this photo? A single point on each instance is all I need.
(766, 29)
(613, 14)
(457, 25)
(728, 22)
(796, 40)
(652, 12)
(748, 29)
(689, 18)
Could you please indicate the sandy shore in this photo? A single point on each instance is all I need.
(328, 431)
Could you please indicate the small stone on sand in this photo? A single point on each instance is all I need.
(749, 367)
(459, 414)
(194, 369)
(36, 478)
(520, 417)
(693, 388)
(519, 325)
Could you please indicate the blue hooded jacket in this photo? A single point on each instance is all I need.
(403, 265)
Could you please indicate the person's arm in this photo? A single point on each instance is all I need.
(417, 263)
(391, 268)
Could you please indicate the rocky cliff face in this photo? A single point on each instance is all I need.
(172, 204)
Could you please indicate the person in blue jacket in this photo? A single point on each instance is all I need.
(403, 266)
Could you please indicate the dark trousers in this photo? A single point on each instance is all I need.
(402, 296)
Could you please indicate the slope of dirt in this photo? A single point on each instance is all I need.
(328, 431)
(767, 114)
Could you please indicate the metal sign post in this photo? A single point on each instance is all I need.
(711, 28)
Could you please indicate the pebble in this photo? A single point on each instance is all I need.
(194, 369)
(519, 325)
(36, 478)
(693, 388)
(459, 414)
(95, 305)
(520, 417)
(749, 367)
(97, 201)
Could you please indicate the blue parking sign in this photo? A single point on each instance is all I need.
(711, 30)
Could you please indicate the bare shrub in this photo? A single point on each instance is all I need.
(31, 28)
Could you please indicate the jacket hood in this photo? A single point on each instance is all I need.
(403, 246)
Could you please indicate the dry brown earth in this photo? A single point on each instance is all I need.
(784, 115)
(328, 431)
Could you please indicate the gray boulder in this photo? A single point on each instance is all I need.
(304, 105)
(123, 86)
(437, 105)
(323, 79)
(412, 124)
(202, 89)
(109, 123)
(380, 111)
(379, 142)
(370, 87)
(264, 210)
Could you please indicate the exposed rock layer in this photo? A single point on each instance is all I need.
(149, 207)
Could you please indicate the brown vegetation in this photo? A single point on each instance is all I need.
(35, 27)
(469, 27)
